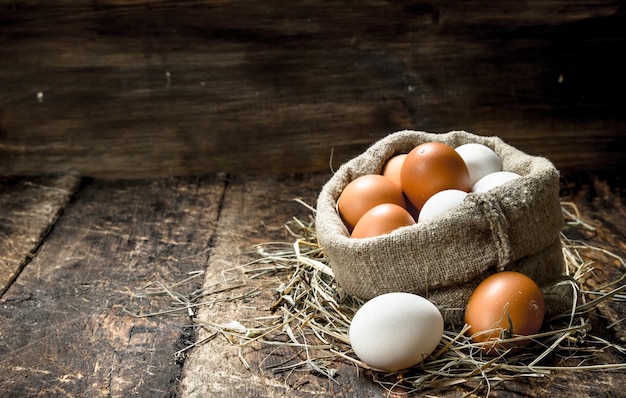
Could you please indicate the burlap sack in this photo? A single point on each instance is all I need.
(513, 227)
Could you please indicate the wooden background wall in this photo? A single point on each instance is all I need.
(126, 89)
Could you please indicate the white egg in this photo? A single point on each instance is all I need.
(493, 180)
(395, 331)
(480, 160)
(440, 202)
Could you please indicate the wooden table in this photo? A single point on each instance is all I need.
(78, 250)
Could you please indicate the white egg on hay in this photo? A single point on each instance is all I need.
(395, 331)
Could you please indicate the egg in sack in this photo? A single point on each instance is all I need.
(395, 331)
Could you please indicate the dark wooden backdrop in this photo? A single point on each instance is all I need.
(119, 88)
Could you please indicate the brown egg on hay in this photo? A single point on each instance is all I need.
(506, 304)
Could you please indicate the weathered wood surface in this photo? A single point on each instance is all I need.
(64, 330)
(255, 210)
(120, 88)
(29, 207)
(602, 203)
(63, 326)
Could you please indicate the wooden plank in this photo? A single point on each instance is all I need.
(254, 210)
(30, 207)
(64, 330)
(142, 89)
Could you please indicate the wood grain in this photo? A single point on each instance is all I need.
(255, 210)
(64, 325)
(29, 209)
(126, 89)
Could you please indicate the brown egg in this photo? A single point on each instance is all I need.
(392, 168)
(365, 192)
(432, 167)
(505, 305)
(382, 219)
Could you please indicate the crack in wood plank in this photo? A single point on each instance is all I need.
(31, 206)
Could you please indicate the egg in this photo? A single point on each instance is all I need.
(493, 180)
(440, 202)
(395, 331)
(432, 167)
(506, 304)
(382, 219)
(392, 168)
(480, 160)
(365, 192)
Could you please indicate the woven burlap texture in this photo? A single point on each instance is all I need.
(512, 227)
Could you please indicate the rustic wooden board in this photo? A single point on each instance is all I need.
(254, 209)
(151, 88)
(64, 330)
(29, 208)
